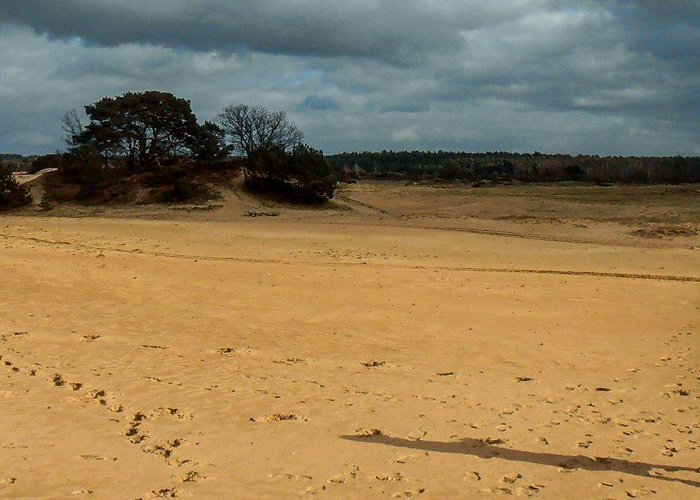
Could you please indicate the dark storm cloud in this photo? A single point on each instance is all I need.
(600, 76)
(393, 30)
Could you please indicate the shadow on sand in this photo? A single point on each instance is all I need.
(482, 449)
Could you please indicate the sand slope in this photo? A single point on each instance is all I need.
(350, 356)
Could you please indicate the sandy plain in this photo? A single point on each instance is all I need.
(408, 341)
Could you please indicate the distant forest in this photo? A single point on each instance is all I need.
(15, 162)
(526, 167)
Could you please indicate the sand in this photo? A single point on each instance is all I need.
(385, 347)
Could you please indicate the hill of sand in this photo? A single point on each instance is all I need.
(404, 341)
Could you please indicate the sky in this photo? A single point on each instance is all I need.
(606, 77)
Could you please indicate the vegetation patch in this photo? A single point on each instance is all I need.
(666, 231)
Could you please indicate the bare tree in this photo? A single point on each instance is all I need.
(73, 128)
(252, 128)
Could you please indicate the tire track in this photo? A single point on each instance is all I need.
(369, 265)
(501, 233)
(352, 201)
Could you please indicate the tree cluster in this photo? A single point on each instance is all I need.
(152, 139)
(276, 159)
(145, 130)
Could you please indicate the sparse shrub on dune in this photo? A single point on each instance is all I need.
(45, 205)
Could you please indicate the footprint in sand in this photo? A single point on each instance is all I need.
(134, 432)
(669, 451)
(159, 449)
(374, 364)
(165, 493)
(97, 458)
(278, 417)
(502, 491)
(405, 458)
(642, 492)
(623, 452)
(5, 337)
(510, 479)
(290, 477)
(116, 408)
(531, 489)
(408, 494)
(491, 441)
(175, 412)
(361, 432)
(397, 476)
(472, 476)
(100, 396)
(417, 435)
(192, 477)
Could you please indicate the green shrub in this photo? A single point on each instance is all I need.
(45, 205)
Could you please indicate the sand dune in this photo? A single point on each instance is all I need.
(24, 178)
(349, 353)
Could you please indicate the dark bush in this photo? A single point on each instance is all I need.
(574, 173)
(302, 175)
(12, 193)
(177, 183)
(451, 170)
(85, 168)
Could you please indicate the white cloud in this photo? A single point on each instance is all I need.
(406, 135)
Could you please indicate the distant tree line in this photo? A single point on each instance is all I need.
(11, 157)
(527, 167)
(15, 162)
